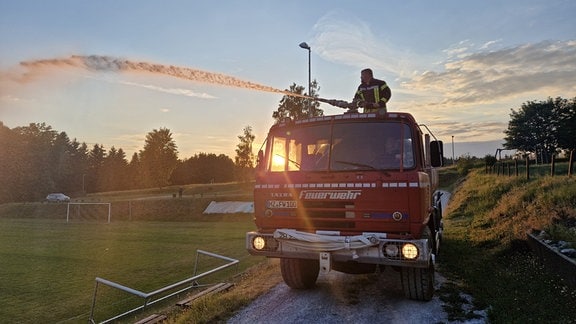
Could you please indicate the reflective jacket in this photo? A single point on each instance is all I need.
(377, 91)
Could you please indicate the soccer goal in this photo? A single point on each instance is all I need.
(89, 212)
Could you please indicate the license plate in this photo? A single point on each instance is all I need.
(281, 204)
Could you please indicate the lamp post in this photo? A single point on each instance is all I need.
(304, 45)
(453, 161)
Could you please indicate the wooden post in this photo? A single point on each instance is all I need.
(552, 165)
(570, 163)
(527, 168)
(516, 166)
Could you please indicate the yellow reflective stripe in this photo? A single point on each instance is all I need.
(376, 94)
(382, 87)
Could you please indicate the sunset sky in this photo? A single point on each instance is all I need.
(458, 66)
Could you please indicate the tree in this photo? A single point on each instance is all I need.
(96, 158)
(565, 110)
(31, 165)
(298, 107)
(9, 164)
(244, 159)
(159, 157)
(114, 171)
(204, 168)
(79, 161)
(36, 160)
(134, 175)
(533, 128)
(63, 169)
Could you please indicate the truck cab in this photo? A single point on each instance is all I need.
(350, 193)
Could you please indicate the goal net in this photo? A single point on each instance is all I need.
(89, 212)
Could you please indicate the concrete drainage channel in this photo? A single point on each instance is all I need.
(165, 292)
(556, 256)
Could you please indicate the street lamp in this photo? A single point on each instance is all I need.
(304, 45)
(453, 161)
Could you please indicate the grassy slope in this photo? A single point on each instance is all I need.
(485, 245)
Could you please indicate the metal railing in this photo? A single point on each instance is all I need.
(149, 297)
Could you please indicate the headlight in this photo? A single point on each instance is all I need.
(409, 251)
(259, 243)
(391, 250)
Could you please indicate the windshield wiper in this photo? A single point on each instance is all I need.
(362, 165)
(289, 160)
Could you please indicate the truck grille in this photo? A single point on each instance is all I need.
(328, 209)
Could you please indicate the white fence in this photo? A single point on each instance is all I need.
(148, 298)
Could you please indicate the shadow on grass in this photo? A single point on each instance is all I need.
(510, 282)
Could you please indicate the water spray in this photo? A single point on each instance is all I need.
(339, 103)
(113, 64)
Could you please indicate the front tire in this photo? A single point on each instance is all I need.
(300, 273)
(418, 283)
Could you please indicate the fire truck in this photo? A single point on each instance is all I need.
(353, 193)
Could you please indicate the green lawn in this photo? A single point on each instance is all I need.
(48, 267)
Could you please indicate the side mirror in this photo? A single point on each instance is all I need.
(436, 153)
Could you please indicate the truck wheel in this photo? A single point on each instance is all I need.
(418, 283)
(299, 273)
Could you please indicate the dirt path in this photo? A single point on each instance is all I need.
(342, 298)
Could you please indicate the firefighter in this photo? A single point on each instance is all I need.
(372, 94)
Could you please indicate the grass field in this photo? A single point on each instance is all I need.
(48, 267)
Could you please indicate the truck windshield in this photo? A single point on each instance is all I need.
(340, 147)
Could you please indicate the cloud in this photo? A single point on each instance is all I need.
(547, 67)
(467, 89)
(490, 44)
(345, 39)
(469, 73)
(175, 91)
(9, 98)
(470, 131)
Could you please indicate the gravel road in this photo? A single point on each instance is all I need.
(343, 298)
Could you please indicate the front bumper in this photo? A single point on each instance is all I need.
(371, 248)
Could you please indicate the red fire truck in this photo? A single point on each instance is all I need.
(350, 193)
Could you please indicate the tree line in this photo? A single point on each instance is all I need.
(36, 160)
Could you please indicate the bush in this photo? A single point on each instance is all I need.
(465, 163)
